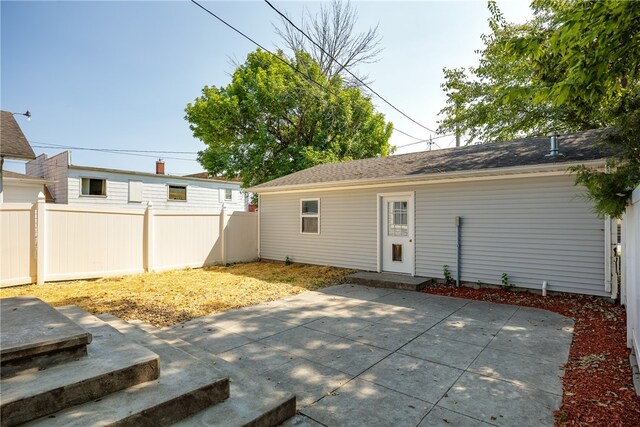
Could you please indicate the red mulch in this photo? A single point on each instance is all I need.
(598, 388)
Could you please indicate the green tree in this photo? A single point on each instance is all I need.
(271, 120)
(573, 66)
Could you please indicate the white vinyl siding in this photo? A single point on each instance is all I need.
(200, 194)
(533, 229)
(348, 229)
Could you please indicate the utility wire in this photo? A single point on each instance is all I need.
(286, 18)
(425, 140)
(306, 76)
(107, 150)
(121, 150)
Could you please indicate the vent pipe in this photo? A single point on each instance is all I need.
(553, 149)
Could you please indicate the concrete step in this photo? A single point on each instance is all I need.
(253, 401)
(33, 335)
(389, 280)
(112, 363)
(185, 386)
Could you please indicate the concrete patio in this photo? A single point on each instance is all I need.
(356, 355)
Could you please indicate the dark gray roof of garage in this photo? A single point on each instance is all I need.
(531, 151)
(13, 143)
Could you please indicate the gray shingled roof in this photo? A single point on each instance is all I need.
(13, 143)
(575, 147)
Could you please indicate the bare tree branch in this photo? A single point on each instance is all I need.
(333, 28)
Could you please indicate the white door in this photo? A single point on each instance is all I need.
(397, 234)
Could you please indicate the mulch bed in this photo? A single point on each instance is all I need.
(598, 387)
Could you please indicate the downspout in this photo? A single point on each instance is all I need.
(1, 179)
(458, 222)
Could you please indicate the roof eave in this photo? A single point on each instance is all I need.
(470, 174)
(149, 174)
(17, 156)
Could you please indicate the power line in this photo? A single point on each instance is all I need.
(122, 150)
(106, 150)
(285, 17)
(306, 76)
(424, 140)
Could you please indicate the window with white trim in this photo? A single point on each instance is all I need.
(310, 216)
(177, 192)
(94, 187)
(228, 194)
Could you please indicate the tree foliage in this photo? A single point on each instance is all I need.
(333, 28)
(569, 68)
(271, 120)
(574, 66)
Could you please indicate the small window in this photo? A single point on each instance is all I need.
(177, 192)
(228, 194)
(94, 187)
(397, 224)
(310, 216)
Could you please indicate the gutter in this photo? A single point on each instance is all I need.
(495, 173)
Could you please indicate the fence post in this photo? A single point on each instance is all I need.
(223, 235)
(41, 255)
(150, 237)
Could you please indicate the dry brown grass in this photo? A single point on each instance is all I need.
(170, 297)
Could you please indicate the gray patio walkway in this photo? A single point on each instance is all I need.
(360, 356)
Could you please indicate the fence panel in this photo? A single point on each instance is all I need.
(85, 242)
(241, 240)
(81, 241)
(631, 271)
(17, 244)
(185, 239)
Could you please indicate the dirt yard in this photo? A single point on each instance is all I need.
(170, 297)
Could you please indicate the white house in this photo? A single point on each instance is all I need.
(72, 184)
(21, 188)
(482, 210)
(16, 187)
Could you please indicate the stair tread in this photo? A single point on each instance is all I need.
(29, 328)
(112, 363)
(185, 386)
(253, 400)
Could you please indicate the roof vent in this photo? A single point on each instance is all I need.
(553, 149)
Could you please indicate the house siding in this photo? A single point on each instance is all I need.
(53, 169)
(200, 194)
(533, 229)
(21, 192)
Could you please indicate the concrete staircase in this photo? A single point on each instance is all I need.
(66, 367)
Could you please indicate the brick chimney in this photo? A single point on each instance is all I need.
(160, 167)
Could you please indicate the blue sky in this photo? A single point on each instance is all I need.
(118, 74)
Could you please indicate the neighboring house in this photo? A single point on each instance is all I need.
(14, 145)
(20, 188)
(74, 184)
(519, 213)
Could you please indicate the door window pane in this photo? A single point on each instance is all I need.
(398, 219)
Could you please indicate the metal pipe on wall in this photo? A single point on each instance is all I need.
(458, 222)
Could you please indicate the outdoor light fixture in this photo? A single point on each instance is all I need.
(27, 114)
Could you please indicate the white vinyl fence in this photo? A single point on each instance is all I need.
(48, 242)
(631, 270)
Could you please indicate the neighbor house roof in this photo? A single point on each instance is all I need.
(206, 175)
(148, 174)
(493, 157)
(21, 176)
(13, 143)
